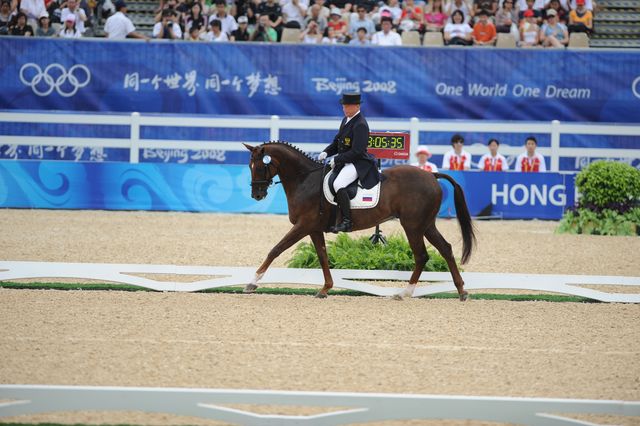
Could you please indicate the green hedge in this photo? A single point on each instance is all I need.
(610, 202)
(348, 253)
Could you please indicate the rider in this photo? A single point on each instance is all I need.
(352, 160)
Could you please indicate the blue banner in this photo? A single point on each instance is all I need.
(225, 188)
(302, 80)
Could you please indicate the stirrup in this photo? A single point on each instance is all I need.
(344, 226)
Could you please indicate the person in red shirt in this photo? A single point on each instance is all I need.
(457, 158)
(530, 160)
(484, 32)
(423, 155)
(493, 161)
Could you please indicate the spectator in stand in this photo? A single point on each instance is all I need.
(484, 32)
(330, 36)
(227, 21)
(457, 158)
(167, 28)
(21, 28)
(242, 33)
(323, 11)
(361, 20)
(391, 9)
(215, 34)
(315, 15)
(69, 29)
(423, 155)
(338, 25)
(371, 6)
(33, 10)
(386, 36)
(361, 38)
(263, 31)
(529, 31)
(274, 13)
(194, 33)
(195, 18)
(75, 10)
(311, 34)
(493, 161)
(119, 26)
(457, 31)
(561, 14)
(412, 18)
(293, 13)
(489, 6)
(530, 160)
(531, 5)
(461, 5)
(580, 19)
(435, 19)
(6, 16)
(44, 27)
(588, 4)
(553, 33)
(507, 19)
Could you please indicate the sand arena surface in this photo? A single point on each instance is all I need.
(361, 344)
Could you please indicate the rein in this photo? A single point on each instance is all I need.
(269, 181)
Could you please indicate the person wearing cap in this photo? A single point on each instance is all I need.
(167, 28)
(484, 32)
(562, 15)
(386, 36)
(390, 9)
(530, 160)
(493, 161)
(339, 26)
(457, 158)
(74, 9)
(44, 27)
(351, 161)
(553, 33)
(588, 4)
(69, 29)
(580, 19)
(529, 30)
(423, 155)
(242, 33)
(118, 26)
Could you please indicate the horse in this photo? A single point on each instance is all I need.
(408, 193)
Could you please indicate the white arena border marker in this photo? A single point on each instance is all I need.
(362, 407)
(343, 278)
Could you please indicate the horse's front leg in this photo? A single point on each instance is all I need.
(321, 250)
(294, 235)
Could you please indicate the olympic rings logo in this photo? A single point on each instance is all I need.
(635, 87)
(55, 77)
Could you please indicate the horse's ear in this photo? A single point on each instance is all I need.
(249, 147)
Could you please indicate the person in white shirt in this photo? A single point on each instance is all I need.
(167, 27)
(423, 155)
(69, 29)
(119, 27)
(227, 21)
(73, 9)
(34, 9)
(457, 158)
(294, 12)
(493, 161)
(386, 37)
(457, 31)
(530, 160)
(216, 34)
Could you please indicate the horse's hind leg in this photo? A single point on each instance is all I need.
(420, 255)
(321, 250)
(294, 235)
(443, 246)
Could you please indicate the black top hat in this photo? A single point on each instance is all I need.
(350, 99)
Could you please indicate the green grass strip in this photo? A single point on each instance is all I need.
(294, 291)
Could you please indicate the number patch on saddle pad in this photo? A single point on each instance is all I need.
(364, 199)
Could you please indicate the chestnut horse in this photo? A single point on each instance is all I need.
(407, 193)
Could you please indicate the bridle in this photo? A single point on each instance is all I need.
(267, 181)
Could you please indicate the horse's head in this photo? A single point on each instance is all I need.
(263, 170)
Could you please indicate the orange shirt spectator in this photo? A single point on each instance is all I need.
(484, 32)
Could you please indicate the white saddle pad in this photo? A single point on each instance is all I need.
(364, 199)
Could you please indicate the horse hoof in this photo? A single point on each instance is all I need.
(464, 296)
(250, 288)
(397, 297)
(321, 295)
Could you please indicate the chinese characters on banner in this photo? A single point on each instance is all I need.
(188, 82)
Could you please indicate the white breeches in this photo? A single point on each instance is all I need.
(347, 175)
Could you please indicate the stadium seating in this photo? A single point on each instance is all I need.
(617, 24)
(410, 38)
(506, 41)
(433, 39)
(578, 41)
(290, 35)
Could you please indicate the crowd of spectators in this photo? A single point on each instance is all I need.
(533, 23)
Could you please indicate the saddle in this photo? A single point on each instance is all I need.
(360, 197)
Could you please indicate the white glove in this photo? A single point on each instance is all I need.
(322, 156)
(332, 163)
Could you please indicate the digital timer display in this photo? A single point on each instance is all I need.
(388, 145)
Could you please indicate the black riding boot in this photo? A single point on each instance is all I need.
(345, 208)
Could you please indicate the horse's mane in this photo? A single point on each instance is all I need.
(294, 148)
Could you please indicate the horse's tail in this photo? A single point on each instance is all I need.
(464, 218)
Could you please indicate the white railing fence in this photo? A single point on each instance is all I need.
(275, 124)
